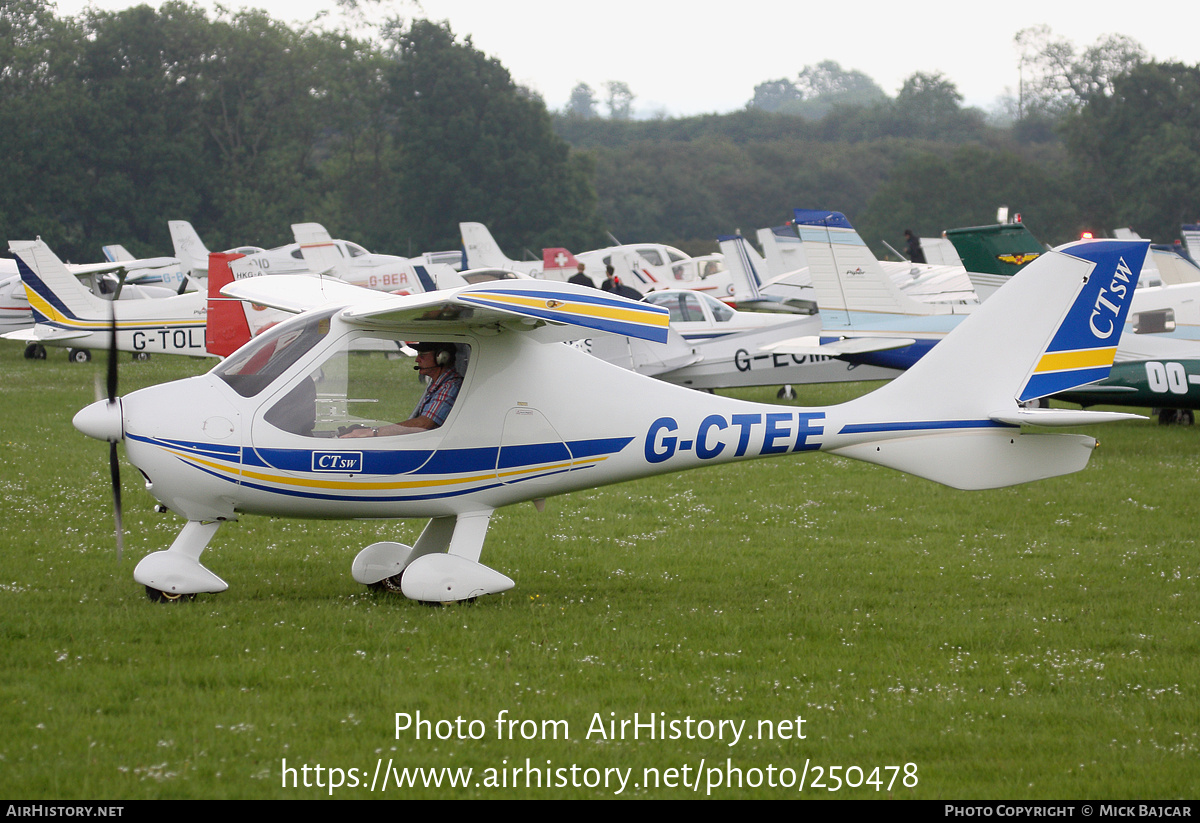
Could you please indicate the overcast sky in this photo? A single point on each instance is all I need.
(702, 57)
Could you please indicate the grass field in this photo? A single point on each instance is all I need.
(1032, 642)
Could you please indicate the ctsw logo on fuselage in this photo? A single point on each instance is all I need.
(343, 462)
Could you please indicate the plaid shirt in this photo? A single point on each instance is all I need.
(439, 397)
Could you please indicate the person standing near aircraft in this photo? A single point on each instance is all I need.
(581, 279)
(435, 361)
(915, 253)
(610, 281)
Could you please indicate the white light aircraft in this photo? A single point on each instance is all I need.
(192, 252)
(315, 252)
(641, 266)
(67, 315)
(259, 433)
(787, 262)
(712, 346)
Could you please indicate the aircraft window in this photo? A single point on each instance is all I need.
(254, 366)
(651, 256)
(298, 255)
(712, 267)
(355, 250)
(1154, 322)
(720, 312)
(675, 255)
(366, 383)
(690, 304)
(683, 271)
(487, 275)
(673, 303)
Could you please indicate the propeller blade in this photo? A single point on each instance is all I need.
(113, 459)
(112, 353)
(115, 468)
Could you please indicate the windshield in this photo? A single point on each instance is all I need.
(255, 365)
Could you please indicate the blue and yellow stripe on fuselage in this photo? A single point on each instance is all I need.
(388, 476)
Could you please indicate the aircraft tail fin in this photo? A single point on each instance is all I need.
(1025, 346)
(481, 249)
(320, 252)
(226, 329)
(116, 253)
(783, 250)
(954, 416)
(634, 270)
(55, 295)
(747, 282)
(189, 248)
(845, 274)
(1191, 241)
(993, 254)
(558, 264)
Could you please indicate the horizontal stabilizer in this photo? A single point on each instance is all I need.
(42, 333)
(978, 459)
(1059, 417)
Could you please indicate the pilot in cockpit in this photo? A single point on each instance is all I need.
(435, 361)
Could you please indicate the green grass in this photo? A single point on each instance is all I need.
(1033, 642)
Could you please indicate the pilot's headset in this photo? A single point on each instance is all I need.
(443, 352)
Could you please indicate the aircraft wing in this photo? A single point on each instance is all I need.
(556, 311)
(838, 348)
(296, 292)
(124, 265)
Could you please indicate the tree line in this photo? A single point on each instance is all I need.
(119, 121)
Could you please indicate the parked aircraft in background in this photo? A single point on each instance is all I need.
(659, 266)
(174, 276)
(785, 246)
(993, 254)
(712, 346)
(69, 316)
(125, 280)
(315, 252)
(192, 252)
(1191, 241)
